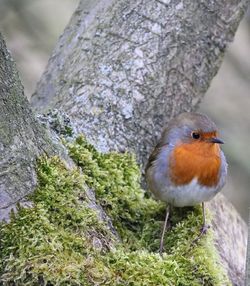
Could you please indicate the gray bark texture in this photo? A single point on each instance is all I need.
(230, 236)
(22, 139)
(122, 69)
(247, 278)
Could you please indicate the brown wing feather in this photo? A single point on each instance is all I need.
(154, 154)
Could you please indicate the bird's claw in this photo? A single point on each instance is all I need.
(203, 231)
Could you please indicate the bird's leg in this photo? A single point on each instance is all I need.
(204, 227)
(203, 218)
(164, 229)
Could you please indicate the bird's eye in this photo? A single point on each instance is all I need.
(195, 135)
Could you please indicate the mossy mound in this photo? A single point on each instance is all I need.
(51, 243)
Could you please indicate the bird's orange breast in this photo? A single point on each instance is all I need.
(199, 160)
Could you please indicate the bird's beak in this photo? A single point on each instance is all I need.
(215, 140)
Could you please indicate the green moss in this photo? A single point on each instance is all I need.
(52, 243)
(48, 241)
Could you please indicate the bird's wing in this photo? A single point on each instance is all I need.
(153, 156)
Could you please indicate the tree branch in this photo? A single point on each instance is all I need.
(124, 68)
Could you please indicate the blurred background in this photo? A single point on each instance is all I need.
(32, 27)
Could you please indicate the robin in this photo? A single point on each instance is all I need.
(187, 166)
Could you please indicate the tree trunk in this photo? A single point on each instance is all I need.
(124, 68)
(22, 138)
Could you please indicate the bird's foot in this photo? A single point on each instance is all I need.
(203, 231)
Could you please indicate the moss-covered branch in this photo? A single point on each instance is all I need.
(55, 242)
(123, 68)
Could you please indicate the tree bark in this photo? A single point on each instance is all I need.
(123, 68)
(231, 238)
(247, 277)
(22, 139)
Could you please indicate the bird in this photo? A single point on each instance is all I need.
(187, 166)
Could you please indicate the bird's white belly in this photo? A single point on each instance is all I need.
(186, 195)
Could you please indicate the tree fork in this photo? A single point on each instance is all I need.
(123, 68)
